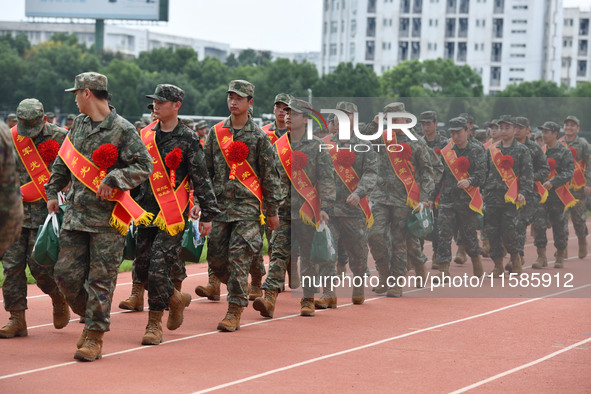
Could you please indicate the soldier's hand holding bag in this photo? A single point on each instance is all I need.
(323, 248)
(46, 249)
(420, 221)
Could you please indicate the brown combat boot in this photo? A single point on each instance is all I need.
(395, 291)
(61, 311)
(443, 273)
(516, 264)
(92, 348)
(542, 260)
(231, 322)
(358, 296)
(328, 300)
(266, 305)
(153, 335)
(341, 269)
(81, 339)
(382, 286)
(485, 248)
(211, 291)
(293, 280)
(177, 304)
(421, 275)
(307, 307)
(178, 284)
(559, 263)
(477, 269)
(254, 288)
(135, 302)
(16, 326)
(499, 269)
(582, 247)
(434, 265)
(461, 256)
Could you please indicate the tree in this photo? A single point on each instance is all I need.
(541, 88)
(348, 81)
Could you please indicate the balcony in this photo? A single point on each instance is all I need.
(417, 6)
(371, 27)
(404, 6)
(462, 52)
(371, 6)
(415, 50)
(450, 27)
(496, 52)
(498, 28)
(463, 28)
(370, 50)
(583, 46)
(402, 51)
(495, 76)
(449, 50)
(499, 7)
(584, 27)
(464, 6)
(403, 29)
(451, 6)
(582, 68)
(416, 27)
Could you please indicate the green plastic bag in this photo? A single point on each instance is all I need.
(323, 248)
(420, 221)
(46, 248)
(192, 244)
(130, 246)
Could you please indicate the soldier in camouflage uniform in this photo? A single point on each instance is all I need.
(583, 158)
(11, 207)
(32, 124)
(11, 120)
(90, 249)
(235, 237)
(455, 213)
(501, 220)
(201, 129)
(387, 238)
(553, 209)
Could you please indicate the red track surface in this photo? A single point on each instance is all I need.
(424, 342)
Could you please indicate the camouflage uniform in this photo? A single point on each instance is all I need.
(11, 208)
(90, 249)
(18, 256)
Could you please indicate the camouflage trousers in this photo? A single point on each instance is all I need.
(554, 212)
(302, 236)
(86, 273)
(231, 247)
(465, 222)
(280, 256)
(387, 239)
(350, 233)
(525, 217)
(157, 254)
(257, 268)
(178, 271)
(577, 214)
(14, 262)
(11, 222)
(501, 229)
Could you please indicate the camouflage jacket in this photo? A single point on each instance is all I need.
(583, 153)
(84, 211)
(451, 194)
(10, 195)
(36, 212)
(193, 165)
(320, 172)
(565, 168)
(285, 184)
(366, 167)
(235, 201)
(495, 188)
(439, 142)
(539, 164)
(278, 132)
(389, 189)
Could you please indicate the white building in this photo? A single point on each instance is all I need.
(576, 55)
(505, 41)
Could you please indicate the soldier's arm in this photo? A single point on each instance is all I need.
(587, 161)
(478, 173)
(208, 149)
(439, 183)
(369, 177)
(565, 169)
(60, 177)
(326, 185)
(541, 168)
(437, 165)
(269, 176)
(526, 173)
(423, 170)
(203, 190)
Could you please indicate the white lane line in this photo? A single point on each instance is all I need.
(519, 368)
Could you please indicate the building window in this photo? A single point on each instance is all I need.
(333, 50)
(417, 7)
(568, 22)
(450, 27)
(370, 50)
(583, 47)
(520, 7)
(404, 6)
(403, 27)
(519, 21)
(352, 51)
(402, 51)
(499, 6)
(463, 27)
(498, 28)
(582, 68)
(416, 27)
(517, 45)
(518, 31)
(449, 50)
(451, 6)
(371, 6)
(495, 76)
(334, 27)
(464, 6)
(353, 27)
(496, 52)
(371, 27)
(342, 26)
(415, 50)
(517, 55)
(462, 50)
(583, 27)
(341, 49)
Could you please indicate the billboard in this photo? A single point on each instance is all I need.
(99, 9)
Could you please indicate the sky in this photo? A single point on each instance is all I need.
(281, 26)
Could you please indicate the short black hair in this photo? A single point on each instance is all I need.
(101, 94)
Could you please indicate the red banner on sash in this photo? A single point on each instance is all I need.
(88, 173)
(563, 191)
(270, 133)
(508, 176)
(310, 211)
(450, 157)
(404, 172)
(488, 144)
(244, 172)
(578, 180)
(35, 166)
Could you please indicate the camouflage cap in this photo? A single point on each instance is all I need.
(458, 123)
(394, 107)
(11, 116)
(29, 117)
(428, 116)
(572, 118)
(552, 126)
(89, 80)
(138, 123)
(494, 122)
(201, 124)
(282, 98)
(469, 118)
(347, 107)
(50, 115)
(480, 134)
(522, 121)
(507, 119)
(166, 92)
(300, 106)
(536, 134)
(188, 122)
(241, 88)
(71, 117)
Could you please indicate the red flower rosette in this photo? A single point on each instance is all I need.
(48, 150)
(552, 164)
(506, 162)
(105, 157)
(298, 160)
(237, 153)
(406, 151)
(574, 152)
(438, 152)
(173, 161)
(345, 158)
(463, 164)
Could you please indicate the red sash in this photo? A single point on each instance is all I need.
(578, 180)
(450, 157)
(270, 133)
(562, 192)
(508, 176)
(310, 211)
(244, 172)
(172, 203)
(351, 180)
(404, 172)
(488, 144)
(35, 166)
(88, 173)
(541, 190)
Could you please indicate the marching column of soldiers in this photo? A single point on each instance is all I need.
(243, 183)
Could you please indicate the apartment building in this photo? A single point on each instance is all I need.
(576, 55)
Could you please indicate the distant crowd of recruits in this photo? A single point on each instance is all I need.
(243, 182)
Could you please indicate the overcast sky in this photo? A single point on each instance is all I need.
(283, 26)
